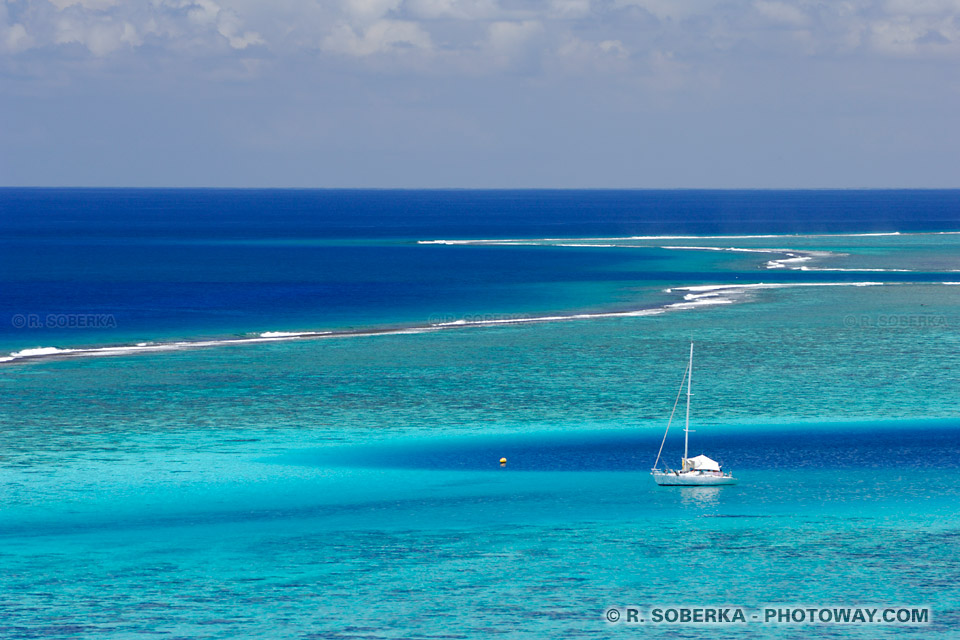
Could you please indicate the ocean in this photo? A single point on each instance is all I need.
(280, 414)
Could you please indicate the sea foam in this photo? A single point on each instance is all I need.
(693, 297)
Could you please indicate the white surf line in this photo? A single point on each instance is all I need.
(586, 244)
(792, 255)
(44, 353)
(700, 288)
(558, 318)
(588, 241)
(873, 269)
(876, 270)
(795, 257)
(792, 260)
(49, 353)
(292, 334)
(148, 347)
(694, 296)
(709, 294)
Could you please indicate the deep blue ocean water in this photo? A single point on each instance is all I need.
(348, 485)
(163, 264)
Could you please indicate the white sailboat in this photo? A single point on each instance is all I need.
(698, 471)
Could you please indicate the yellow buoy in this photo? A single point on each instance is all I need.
(503, 461)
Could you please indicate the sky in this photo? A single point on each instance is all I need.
(480, 93)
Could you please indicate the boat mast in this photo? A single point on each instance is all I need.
(686, 427)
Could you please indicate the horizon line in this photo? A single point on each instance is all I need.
(394, 188)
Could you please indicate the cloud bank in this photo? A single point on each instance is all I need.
(450, 34)
(489, 93)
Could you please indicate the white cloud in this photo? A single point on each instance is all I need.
(580, 49)
(202, 12)
(231, 28)
(383, 36)
(570, 9)
(370, 10)
(106, 26)
(93, 5)
(614, 48)
(507, 37)
(671, 10)
(922, 7)
(14, 39)
(454, 9)
(901, 36)
(897, 36)
(576, 55)
(101, 37)
(782, 13)
(487, 34)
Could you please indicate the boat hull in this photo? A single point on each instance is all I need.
(671, 479)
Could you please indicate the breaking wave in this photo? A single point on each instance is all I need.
(691, 297)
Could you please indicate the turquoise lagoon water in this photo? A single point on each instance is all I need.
(349, 487)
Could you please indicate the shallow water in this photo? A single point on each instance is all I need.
(385, 552)
(349, 487)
